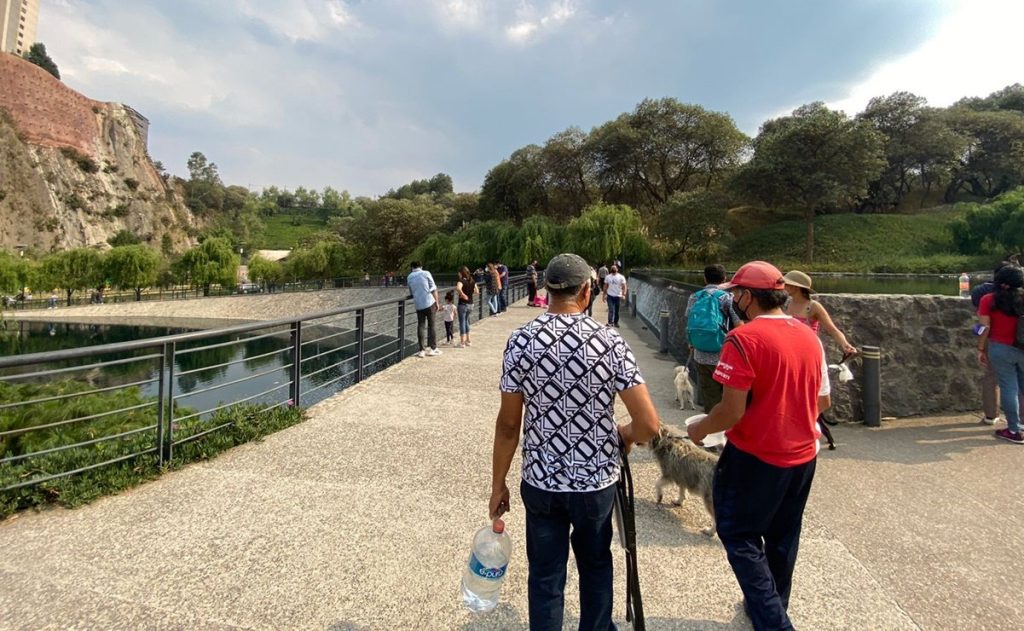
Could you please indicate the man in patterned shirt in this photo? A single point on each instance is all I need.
(565, 369)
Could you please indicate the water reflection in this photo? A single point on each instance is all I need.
(260, 362)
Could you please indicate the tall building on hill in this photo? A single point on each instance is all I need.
(18, 19)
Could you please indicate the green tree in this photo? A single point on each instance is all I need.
(994, 228)
(14, 273)
(213, 261)
(605, 232)
(693, 224)
(993, 161)
(123, 237)
(816, 160)
(515, 188)
(134, 267)
(37, 54)
(570, 174)
(392, 228)
(664, 146)
(71, 270)
(265, 272)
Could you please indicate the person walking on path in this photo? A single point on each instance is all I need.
(466, 288)
(449, 317)
(717, 313)
(809, 311)
(531, 282)
(989, 387)
(503, 289)
(424, 294)
(602, 273)
(775, 383)
(493, 279)
(999, 313)
(564, 369)
(615, 287)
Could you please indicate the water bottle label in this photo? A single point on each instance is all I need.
(490, 573)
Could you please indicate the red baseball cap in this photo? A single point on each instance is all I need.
(756, 275)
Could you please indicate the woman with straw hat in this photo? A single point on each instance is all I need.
(809, 311)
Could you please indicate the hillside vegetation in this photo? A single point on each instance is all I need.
(920, 242)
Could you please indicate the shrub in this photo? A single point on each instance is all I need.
(84, 162)
(131, 183)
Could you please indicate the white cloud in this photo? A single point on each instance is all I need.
(462, 13)
(521, 32)
(532, 21)
(976, 50)
(300, 20)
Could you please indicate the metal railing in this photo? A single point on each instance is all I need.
(70, 411)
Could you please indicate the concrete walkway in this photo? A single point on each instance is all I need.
(361, 517)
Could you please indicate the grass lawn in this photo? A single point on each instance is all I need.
(919, 242)
(280, 233)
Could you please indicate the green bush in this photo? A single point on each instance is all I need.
(84, 162)
(243, 424)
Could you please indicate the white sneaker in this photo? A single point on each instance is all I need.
(421, 354)
(990, 421)
(433, 353)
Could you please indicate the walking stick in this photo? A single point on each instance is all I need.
(626, 515)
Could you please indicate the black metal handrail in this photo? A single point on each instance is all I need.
(86, 425)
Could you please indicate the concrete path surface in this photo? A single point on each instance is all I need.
(361, 518)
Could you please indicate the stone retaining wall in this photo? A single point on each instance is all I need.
(928, 359)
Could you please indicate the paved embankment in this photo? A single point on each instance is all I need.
(360, 518)
(216, 310)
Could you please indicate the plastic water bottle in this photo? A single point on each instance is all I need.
(485, 571)
(965, 285)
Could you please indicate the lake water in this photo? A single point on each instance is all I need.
(202, 369)
(867, 284)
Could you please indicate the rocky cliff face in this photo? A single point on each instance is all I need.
(74, 172)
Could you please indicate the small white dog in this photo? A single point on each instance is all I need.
(684, 388)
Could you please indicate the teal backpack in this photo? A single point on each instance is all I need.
(705, 326)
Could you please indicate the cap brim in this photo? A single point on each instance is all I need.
(727, 285)
(799, 285)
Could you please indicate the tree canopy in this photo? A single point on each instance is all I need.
(213, 261)
(815, 160)
(134, 267)
(37, 54)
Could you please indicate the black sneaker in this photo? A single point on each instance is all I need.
(1013, 437)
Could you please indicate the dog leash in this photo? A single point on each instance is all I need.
(627, 531)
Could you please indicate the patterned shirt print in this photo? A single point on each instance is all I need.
(568, 368)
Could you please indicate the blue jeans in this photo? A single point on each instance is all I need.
(463, 311)
(1008, 363)
(759, 511)
(613, 309)
(492, 302)
(549, 516)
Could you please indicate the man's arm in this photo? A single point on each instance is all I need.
(506, 440)
(644, 422)
(722, 417)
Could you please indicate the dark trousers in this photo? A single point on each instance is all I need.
(613, 309)
(710, 390)
(549, 517)
(449, 330)
(503, 300)
(425, 328)
(531, 291)
(759, 510)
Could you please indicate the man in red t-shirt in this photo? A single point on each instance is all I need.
(775, 383)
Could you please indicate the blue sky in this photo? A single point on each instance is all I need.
(365, 95)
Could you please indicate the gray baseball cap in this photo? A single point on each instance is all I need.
(566, 270)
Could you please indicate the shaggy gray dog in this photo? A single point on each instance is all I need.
(686, 465)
